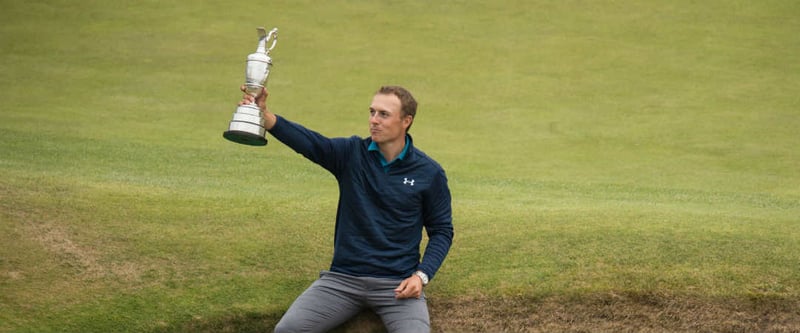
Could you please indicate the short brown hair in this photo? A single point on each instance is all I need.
(408, 105)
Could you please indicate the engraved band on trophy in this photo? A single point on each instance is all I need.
(247, 125)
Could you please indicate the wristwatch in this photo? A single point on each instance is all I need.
(423, 277)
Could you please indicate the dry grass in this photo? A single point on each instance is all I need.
(616, 313)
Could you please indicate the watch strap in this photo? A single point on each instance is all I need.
(423, 277)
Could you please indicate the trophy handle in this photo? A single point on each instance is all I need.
(273, 35)
(264, 38)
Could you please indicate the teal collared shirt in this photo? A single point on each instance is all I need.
(388, 164)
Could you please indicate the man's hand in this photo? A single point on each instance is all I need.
(261, 101)
(410, 287)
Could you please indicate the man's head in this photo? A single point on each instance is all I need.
(408, 105)
(391, 114)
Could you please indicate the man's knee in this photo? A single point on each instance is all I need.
(296, 325)
(411, 325)
(284, 326)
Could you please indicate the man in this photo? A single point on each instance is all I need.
(388, 191)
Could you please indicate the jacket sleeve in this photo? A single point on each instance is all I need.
(438, 219)
(314, 146)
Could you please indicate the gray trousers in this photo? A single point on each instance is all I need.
(334, 298)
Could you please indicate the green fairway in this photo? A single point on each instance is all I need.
(614, 165)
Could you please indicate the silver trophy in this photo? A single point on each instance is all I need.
(247, 126)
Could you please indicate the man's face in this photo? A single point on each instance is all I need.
(386, 121)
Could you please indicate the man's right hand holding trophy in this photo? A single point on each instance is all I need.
(260, 100)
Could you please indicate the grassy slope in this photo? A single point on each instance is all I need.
(592, 148)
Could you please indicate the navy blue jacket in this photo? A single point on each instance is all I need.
(381, 213)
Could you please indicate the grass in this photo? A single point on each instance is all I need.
(615, 165)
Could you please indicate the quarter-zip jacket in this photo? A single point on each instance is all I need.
(381, 212)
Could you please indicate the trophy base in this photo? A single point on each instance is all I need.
(245, 138)
(247, 127)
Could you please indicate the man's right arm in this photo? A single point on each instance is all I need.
(314, 146)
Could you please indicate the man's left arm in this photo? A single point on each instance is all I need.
(437, 215)
(438, 219)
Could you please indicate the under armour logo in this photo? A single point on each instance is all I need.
(408, 182)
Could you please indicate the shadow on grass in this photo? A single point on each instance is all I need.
(365, 322)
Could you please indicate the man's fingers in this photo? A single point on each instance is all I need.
(400, 289)
(408, 289)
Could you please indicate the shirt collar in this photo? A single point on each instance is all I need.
(374, 147)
